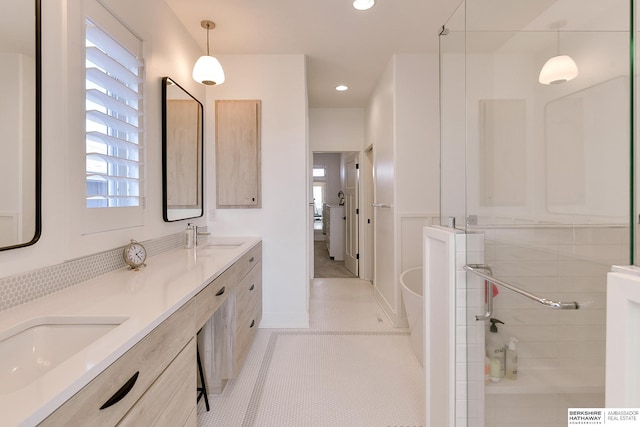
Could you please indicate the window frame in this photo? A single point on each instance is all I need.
(100, 219)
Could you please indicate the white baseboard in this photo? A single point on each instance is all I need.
(285, 320)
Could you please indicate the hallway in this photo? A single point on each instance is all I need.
(350, 368)
(325, 267)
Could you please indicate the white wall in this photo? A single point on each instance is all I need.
(403, 127)
(336, 129)
(280, 82)
(170, 52)
(417, 138)
(380, 134)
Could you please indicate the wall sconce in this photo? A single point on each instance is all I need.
(559, 69)
(207, 69)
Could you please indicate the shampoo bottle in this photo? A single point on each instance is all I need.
(512, 359)
(496, 350)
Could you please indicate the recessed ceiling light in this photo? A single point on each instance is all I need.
(342, 88)
(363, 4)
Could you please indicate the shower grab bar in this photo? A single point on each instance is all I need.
(560, 305)
(380, 205)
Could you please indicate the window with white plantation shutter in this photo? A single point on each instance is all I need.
(113, 74)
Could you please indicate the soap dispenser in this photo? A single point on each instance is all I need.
(189, 236)
(496, 352)
(512, 359)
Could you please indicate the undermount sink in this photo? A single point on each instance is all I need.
(31, 349)
(224, 245)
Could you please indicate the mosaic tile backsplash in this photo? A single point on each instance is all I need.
(25, 287)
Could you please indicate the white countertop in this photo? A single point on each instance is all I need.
(146, 297)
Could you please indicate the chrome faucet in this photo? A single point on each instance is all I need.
(196, 233)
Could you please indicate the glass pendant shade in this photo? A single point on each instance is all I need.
(558, 69)
(208, 71)
(363, 4)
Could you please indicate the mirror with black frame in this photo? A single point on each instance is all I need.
(182, 148)
(20, 146)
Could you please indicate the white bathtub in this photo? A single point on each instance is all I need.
(412, 294)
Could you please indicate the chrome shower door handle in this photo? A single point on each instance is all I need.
(488, 288)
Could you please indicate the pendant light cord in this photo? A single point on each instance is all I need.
(208, 26)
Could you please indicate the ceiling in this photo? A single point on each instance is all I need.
(342, 45)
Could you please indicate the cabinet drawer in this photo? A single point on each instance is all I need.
(171, 398)
(213, 296)
(249, 260)
(147, 359)
(248, 293)
(208, 300)
(244, 337)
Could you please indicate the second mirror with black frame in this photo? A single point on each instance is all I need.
(182, 153)
(20, 108)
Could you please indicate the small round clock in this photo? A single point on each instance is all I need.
(135, 254)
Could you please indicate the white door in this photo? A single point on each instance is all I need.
(351, 214)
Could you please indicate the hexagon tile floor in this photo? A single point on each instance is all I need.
(351, 368)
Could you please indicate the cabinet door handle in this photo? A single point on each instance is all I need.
(251, 259)
(253, 286)
(120, 394)
(253, 322)
(220, 292)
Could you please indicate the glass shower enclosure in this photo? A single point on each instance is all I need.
(538, 177)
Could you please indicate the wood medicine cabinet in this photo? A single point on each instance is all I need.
(238, 154)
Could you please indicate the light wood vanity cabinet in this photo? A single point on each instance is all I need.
(227, 337)
(248, 313)
(159, 373)
(164, 358)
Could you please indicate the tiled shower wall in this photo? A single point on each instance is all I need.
(567, 263)
(25, 287)
(470, 348)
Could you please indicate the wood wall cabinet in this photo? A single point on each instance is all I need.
(238, 153)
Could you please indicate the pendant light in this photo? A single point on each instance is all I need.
(207, 69)
(559, 69)
(363, 4)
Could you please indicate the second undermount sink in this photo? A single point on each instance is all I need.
(33, 348)
(224, 243)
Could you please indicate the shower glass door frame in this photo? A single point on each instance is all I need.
(540, 178)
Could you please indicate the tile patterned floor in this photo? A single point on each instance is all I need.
(351, 368)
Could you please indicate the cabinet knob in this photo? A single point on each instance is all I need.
(251, 259)
(220, 292)
(122, 392)
(253, 286)
(253, 322)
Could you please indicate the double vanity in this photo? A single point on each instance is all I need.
(120, 349)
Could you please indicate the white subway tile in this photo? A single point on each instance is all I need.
(582, 349)
(581, 332)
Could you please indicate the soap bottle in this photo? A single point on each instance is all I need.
(189, 236)
(512, 359)
(496, 352)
